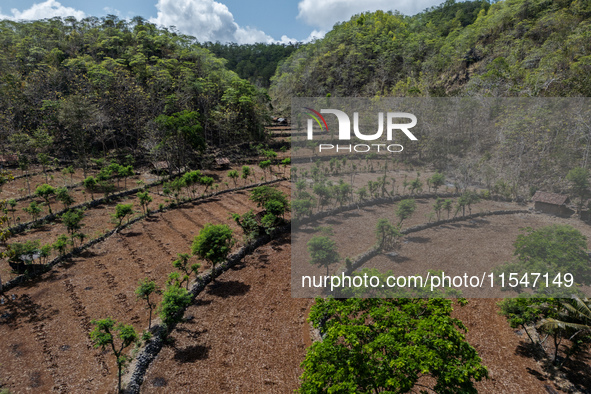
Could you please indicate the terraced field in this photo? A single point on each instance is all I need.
(45, 327)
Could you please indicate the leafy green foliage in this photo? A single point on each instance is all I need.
(213, 244)
(245, 173)
(386, 233)
(72, 220)
(145, 289)
(552, 249)
(323, 251)
(248, 224)
(33, 209)
(45, 191)
(63, 196)
(107, 333)
(263, 194)
(254, 62)
(23, 252)
(405, 209)
(302, 207)
(437, 180)
(117, 77)
(61, 244)
(182, 263)
(233, 174)
(375, 345)
(90, 184)
(145, 200)
(174, 301)
(122, 211)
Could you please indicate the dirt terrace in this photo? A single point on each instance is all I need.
(244, 335)
(354, 233)
(44, 331)
(474, 246)
(97, 220)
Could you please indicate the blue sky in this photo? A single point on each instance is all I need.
(220, 20)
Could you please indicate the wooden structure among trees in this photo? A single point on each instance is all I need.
(552, 203)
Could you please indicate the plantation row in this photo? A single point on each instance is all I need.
(88, 221)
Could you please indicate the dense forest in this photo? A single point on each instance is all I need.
(254, 62)
(509, 48)
(103, 84)
(512, 48)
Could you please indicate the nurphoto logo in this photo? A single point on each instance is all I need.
(392, 124)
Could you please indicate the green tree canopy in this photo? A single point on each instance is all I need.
(376, 345)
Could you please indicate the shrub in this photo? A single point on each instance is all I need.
(64, 197)
(144, 291)
(174, 301)
(104, 335)
(121, 211)
(45, 191)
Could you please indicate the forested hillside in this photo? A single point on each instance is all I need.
(254, 62)
(103, 84)
(511, 48)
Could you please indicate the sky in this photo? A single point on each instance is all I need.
(239, 21)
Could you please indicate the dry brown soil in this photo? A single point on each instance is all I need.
(244, 335)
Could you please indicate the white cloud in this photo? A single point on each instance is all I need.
(324, 14)
(207, 20)
(46, 9)
(315, 35)
(112, 11)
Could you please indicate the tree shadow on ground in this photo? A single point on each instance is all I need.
(131, 234)
(578, 371)
(396, 258)
(419, 240)
(192, 353)
(229, 288)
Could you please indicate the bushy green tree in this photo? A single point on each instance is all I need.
(555, 249)
(33, 209)
(90, 184)
(233, 174)
(323, 251)
(437, 180)
(206, 181)
(386, 345)
(61, 244)
(386, 233)
(263, 194)
(72, 220)
(405, 209)
(63, 196)
(247, 223)
(122, 211)
(174, 301)
(246, 172)
(45, 191)
(213, 244)
(145, 200)
(23, 252)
